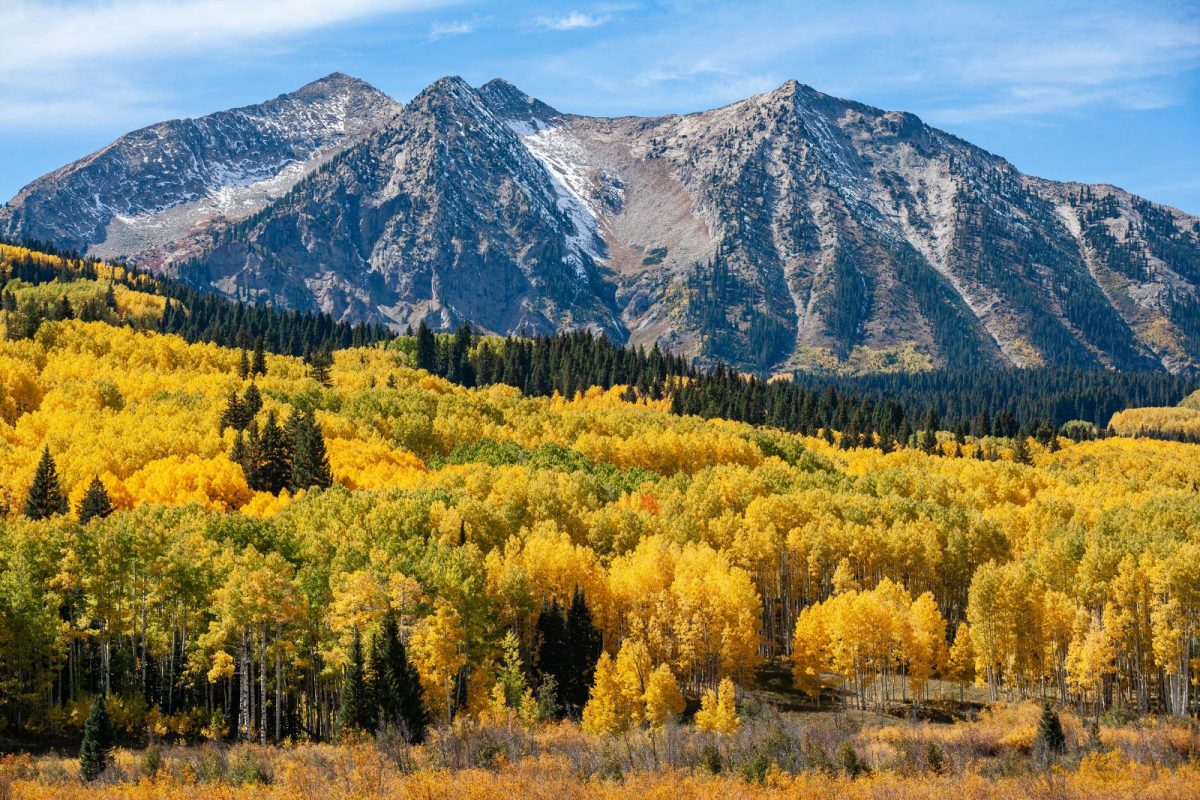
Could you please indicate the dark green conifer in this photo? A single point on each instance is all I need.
(258, 366)
(46, 496)
(426, 354)
(396, 685)
(95, 751)
(310, 462)
(355, 711)
(273, 465)
(95, 503)
(319, 364)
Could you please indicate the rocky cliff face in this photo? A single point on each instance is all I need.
(790, 230)
(152, 193)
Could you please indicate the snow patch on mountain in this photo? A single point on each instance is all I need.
(571, 175)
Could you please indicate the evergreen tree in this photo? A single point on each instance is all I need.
(319, 364)
(356, 709)
(95, 503)
(1021, 451)
(582, 650)
(46, 496)
(244, 365)
(251, 404)
(396, 685)
(426, 356)
(233, 415)
(95, 751)
(460, 360)
(310, 463)
(551, 655)
(1050, 737)
(258, 366)
(273, 460)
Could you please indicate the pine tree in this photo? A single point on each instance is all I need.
(95, 751)
(310, 462)
(426, 355)
(273, 465)
(95, 503)
(233, 415)
(355, 711)
(396, 685)
(582, 650)
(551, 660)
(258, 365)
(319, 364)
(251, 404)
(244, 365)
(46, 496)
(1050, 737)
(1021, 451)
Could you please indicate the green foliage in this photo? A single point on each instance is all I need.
(95, 503)
(95, 751)
(1050, 736)
(356, 711)
(46, 497)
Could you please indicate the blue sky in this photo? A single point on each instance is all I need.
(1096, 91)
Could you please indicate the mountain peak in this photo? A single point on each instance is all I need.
(513, 105)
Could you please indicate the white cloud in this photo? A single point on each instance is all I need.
(38, 35)
(61, 59)
(576, 20)
(440, 30)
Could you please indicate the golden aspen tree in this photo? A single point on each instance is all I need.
(927, 654)
(718, 710)
(810, 650)
(663, 699)
(602, 716)
(960, 664)
(438, 649)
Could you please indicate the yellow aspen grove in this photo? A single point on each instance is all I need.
(718, 710)
(927, 653)
(280, 529)
(604, 714)
(663, 699)
(960, 663)
(438, 644)
(810, 651)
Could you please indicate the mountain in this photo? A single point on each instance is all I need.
(149, 194)
(791, 230)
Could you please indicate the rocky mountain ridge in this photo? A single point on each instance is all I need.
(791, 230)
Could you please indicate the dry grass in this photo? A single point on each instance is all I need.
(827, 755)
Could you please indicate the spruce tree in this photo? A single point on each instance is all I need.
(582, 650)
(95, 751)
(310, 462)
(46, 496)
(426, 355)
(1050, 737)
(258, 366)
(251, 404)
(551, 661)
(319, 364)
(355, 711)
(396, 685)
(273, 465)
(95, 503)
(244, 365)
(233, 415)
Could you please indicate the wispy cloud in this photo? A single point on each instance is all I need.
(59, 57)
(575, 20)
(440, 30)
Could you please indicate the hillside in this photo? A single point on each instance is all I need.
(792, 230)
(593, 592)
